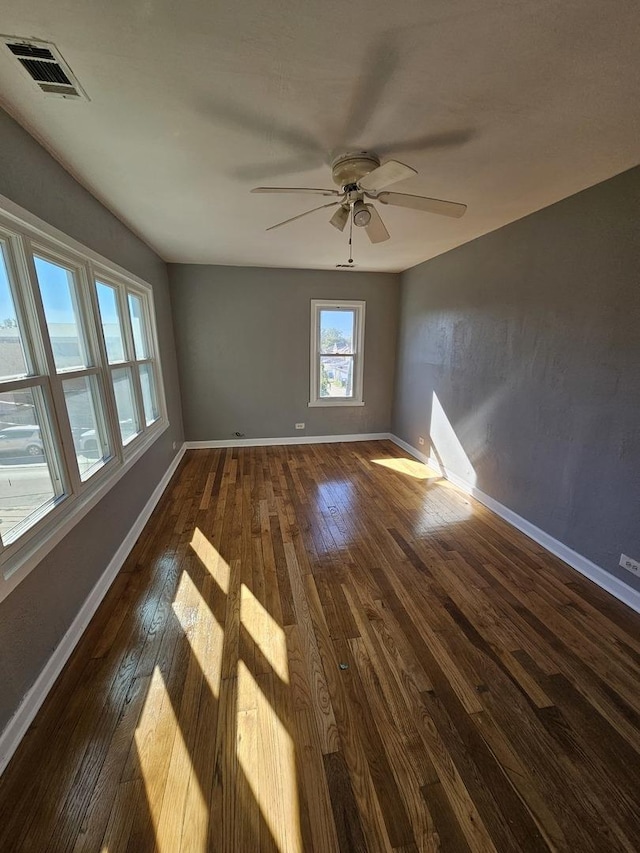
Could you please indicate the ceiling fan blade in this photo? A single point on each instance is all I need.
(389, 173)
(340, 218)
(419, 202)
(307, 190)
(306, 213)
(376, 231)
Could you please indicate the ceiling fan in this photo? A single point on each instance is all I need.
(361, 176)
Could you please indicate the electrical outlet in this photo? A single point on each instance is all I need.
(420, 440)
(629, 564)
(299, 426)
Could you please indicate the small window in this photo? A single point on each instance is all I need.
(149, 398)
(111, 323)
(337, 353)
(85, 409)
(58, 289)
(125, 404)
(13, 361)
(29, 479)
(138, 327)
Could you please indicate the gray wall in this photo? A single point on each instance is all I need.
(242, 335)
(529, 337)
(35, 616)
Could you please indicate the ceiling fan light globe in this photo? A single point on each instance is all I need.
(361, 214)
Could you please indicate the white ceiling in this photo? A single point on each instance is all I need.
(507, 106)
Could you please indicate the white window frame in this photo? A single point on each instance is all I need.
(358, 307)
(25, 235)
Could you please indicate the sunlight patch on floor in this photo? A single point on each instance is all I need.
(415, 469)
(268, 636)
(266, 754)
(157, 723)
(211, 559)
(202, 630)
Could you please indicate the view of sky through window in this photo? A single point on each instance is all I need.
(110, 317)
(137, 325)
(57, 289)
(340, 322)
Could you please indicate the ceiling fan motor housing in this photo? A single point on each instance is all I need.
(347, 169)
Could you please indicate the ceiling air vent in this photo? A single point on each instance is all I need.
(44, 64)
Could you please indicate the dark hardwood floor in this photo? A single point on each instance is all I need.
(329, 648)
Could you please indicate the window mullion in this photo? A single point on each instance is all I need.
(20, 384)
(79, 372)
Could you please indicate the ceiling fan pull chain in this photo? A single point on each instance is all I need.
(351, 239)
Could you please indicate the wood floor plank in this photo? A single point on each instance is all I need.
(330, 648)
(345, 810)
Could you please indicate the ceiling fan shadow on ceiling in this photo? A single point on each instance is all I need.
(363, 179)
(383, 61)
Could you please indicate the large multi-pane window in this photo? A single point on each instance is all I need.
(80, 383)
(337, 353)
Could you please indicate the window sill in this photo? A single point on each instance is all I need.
(327, 404)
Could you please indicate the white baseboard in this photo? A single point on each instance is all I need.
(292, 439)
(30, 705)
(601, 577)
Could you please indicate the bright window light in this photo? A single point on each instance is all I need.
(266, 754)
(337, 353)
(217, 567)
(408, 466)
(81, 393)
(265, 632)
(158, 719)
